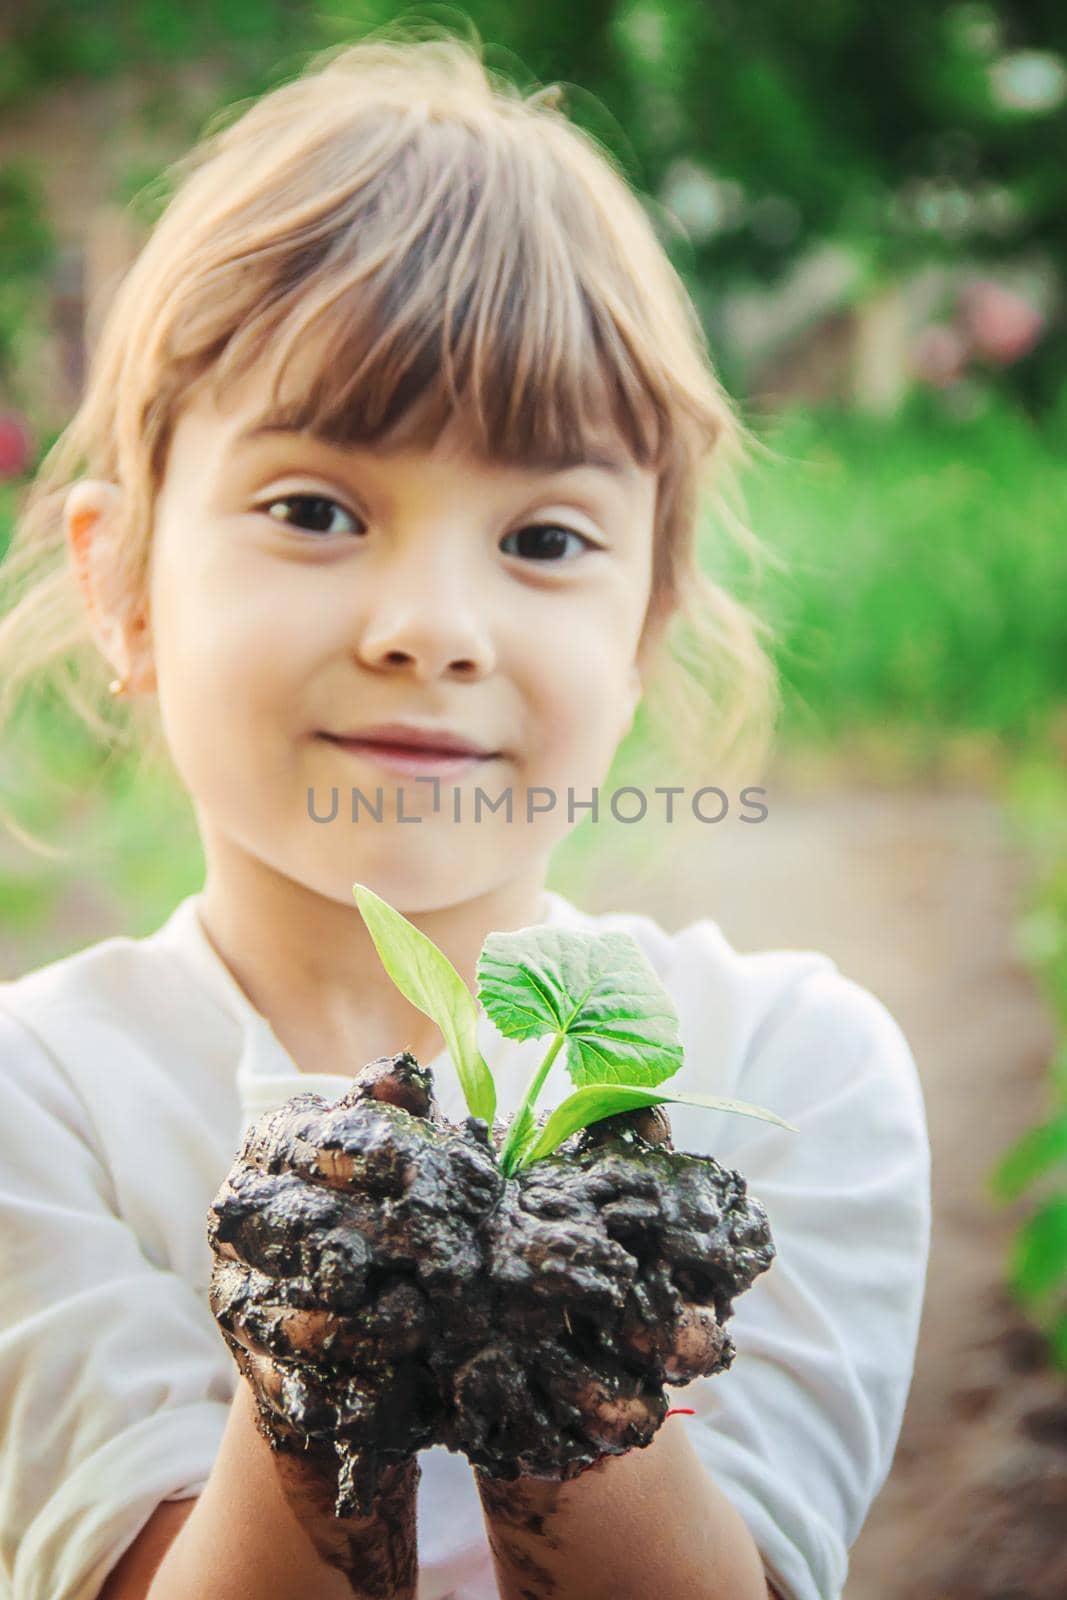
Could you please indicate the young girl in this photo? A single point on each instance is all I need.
(395, 430)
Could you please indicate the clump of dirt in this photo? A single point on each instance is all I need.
(529, 1322)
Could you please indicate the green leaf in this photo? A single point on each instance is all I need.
(1039, 1252)
(520, 1134)
(1030, 1157)
(598, 990)
(597, 1101)
(428, 979)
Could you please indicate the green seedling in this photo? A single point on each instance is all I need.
(594, 996)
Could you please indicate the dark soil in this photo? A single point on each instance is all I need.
(529, 1322)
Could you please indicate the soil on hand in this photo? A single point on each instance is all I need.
(530, 1322)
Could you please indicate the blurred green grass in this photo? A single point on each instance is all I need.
(927, 572)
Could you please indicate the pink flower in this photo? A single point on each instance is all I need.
(16, 445)
(1000, 324)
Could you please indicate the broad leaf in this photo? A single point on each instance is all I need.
(594, 1103)
(598, 990)
(427, 978)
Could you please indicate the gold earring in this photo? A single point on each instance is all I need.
(117, 686)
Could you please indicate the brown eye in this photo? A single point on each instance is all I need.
(315, 513)
(546, 541)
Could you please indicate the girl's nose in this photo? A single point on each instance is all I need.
(429, 621)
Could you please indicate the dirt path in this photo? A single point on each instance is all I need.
(915, 894)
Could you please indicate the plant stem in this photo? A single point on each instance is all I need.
(533, 1089)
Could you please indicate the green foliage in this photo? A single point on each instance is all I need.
(1040, 1150)
(926, 564)
(9, 504)
(602, 998)
(52, 41)
(1039, 1256)
(878, 129)
(426, 977)
(134, 811)
(27, 242)
(1037, 1264)
(27, 248)
(596, 995)
(600, 1100)
(597, 998)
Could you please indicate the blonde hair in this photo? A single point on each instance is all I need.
(460, 244)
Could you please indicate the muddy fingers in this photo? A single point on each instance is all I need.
(614, 1264)
(396, 1080)
(384, 1287)
(619, 1415)
(288, 1228)
(266, 1316)
(698, 1345)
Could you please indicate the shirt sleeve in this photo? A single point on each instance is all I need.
(114, 1382)
(801, 1431)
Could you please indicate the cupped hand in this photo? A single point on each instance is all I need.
(330, 1238)
(383, 1287)
(613, 1265)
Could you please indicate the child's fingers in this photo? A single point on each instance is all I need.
(622, 1420)
(350, 1146)
(346, 1143)
(252, 1308)
(397, 1081)
(306, 1404)
(301, 1405)
(651, 1124)
(286, 1227)
(264, 1378)
(697, 1345)
(612, 1408)
(285, 1319)
(615, 1420)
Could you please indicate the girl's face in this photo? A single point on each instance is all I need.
(300, 590)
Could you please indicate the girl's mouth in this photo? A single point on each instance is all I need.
(411, 761)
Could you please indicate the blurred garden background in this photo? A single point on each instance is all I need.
(869, 203)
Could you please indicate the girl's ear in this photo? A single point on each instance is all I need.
(92, 518)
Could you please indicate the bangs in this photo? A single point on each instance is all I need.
(465, 283)
(394, 244)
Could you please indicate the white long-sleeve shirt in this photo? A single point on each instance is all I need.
(128, 1074)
